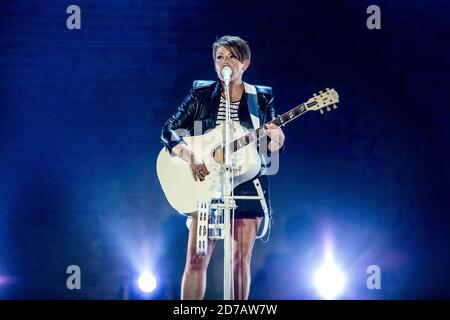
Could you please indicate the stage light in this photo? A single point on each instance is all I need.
(329, 280)
(147, 282)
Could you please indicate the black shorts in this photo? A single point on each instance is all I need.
(251, 208)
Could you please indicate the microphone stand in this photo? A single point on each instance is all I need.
(228, 201)
(218, 217)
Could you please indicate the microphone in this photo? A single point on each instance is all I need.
(226, 73)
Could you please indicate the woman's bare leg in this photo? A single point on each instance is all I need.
(244, 239)
(193, 284)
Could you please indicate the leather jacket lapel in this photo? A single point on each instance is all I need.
(243, 113)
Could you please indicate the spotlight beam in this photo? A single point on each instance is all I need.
(147, 282)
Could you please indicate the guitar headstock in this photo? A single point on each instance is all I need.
(322, 100)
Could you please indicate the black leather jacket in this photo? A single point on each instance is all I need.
(202, 104)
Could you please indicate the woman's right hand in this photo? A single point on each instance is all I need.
(198, 167)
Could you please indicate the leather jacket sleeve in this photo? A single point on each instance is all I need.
(183, 118)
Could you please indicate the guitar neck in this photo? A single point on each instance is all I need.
(262, 131)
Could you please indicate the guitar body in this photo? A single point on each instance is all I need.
(177, 180)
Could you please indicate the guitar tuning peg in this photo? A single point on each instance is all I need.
(321, 111)
(314, 94)
(328, 109)
(334, 106)
(321, 92)
(328, 89)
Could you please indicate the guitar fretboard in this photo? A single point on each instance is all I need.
(262, 131)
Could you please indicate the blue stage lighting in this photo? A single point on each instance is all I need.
(329, 280)
(147, 282)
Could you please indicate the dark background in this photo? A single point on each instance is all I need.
(81, 113)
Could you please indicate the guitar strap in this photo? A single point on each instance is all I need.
(253, 108)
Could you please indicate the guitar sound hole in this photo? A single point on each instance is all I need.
(219, 155)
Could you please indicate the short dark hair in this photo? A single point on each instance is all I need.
(236, 45)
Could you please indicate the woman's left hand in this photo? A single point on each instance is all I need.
(276, 136)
